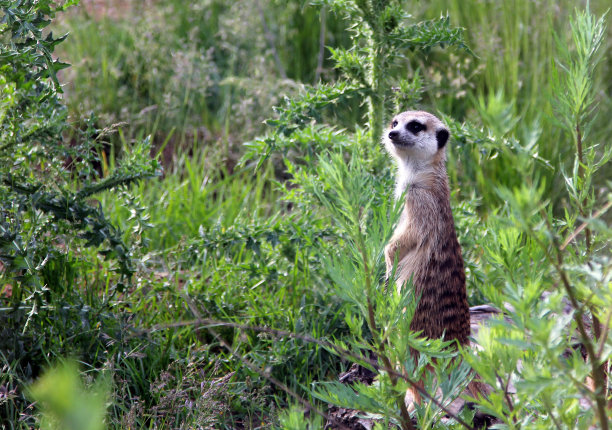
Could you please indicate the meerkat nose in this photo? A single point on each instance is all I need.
(393, 134)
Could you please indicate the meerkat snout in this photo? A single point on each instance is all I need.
(394, 134)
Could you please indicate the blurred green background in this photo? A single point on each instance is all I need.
(210, 73)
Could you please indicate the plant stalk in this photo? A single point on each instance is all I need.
(587, 232)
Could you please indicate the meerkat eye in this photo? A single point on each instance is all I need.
(415, 127)
(394, 123)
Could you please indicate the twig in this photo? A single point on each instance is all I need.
(261, 373)
(582, 226)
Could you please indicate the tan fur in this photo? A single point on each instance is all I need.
(424, 243)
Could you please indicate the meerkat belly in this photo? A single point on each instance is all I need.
(438, 280)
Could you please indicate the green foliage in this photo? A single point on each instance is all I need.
(552, 277)
(285, 264)
(137, 71)
(37, 188)
(293, 419)
(66, 404)
(381, 35)
(193, 73)
(509, 87)
(482, 155)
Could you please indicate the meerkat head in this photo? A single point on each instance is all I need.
(416, 136)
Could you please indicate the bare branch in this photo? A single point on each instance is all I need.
(582, 226)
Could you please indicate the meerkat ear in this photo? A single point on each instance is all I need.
(442, 137)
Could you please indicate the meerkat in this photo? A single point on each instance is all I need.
(424, 246)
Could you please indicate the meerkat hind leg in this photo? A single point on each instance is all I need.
(413, 394)
(413, 397)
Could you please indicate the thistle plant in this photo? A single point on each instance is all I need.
(382, 34)
(48, 215)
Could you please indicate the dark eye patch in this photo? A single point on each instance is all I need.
(394, 123)
(442, 136)
(415, 127)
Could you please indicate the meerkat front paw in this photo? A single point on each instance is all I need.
(390, 251)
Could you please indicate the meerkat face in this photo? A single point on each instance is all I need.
(415, 135)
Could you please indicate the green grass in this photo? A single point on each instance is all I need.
(204, 196)
(200, 262)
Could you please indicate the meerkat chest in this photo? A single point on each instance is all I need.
(405, 177)
(401, 185)
(413, 174)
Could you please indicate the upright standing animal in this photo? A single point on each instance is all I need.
(424, 244)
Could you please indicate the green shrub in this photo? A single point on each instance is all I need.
(48, 215)
(508, 90)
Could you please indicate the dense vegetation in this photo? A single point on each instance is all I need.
(201, 269)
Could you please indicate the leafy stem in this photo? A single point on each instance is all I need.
(596, 369)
